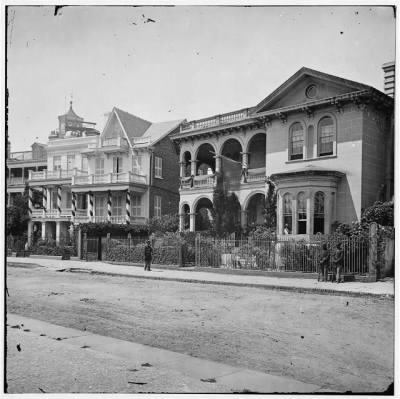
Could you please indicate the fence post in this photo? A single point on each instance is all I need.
(129, 247)
(373, 253)
(108, 244)
(79, 244)
(85, 246)
(180, 254)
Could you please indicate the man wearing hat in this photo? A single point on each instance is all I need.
(148, 255)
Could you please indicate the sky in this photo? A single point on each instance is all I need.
(191, 62)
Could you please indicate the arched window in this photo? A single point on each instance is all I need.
(319, 207)
(296, 141)
(287, 211)
(301, 214)
(325, 136)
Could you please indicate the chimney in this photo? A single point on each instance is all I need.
(389, 69)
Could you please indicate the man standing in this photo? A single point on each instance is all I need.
(338, 256)
(148, 256)
(323, 263)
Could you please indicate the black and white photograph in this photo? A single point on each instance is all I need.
(199, 199)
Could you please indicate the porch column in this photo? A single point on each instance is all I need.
(109, 204)
(30, 204)
(58, 201)
(193, 167)
(182, 168)
(217, 164)
(30, 230)
(128, 207)
(294, 214)
(243, 219)
(73, 203)
(44, 203)
(310, 212)
(192, 226)
(327, 212)
(181, 222)
(279, 213)
(245, 160)
(43, 230)
(90, 207)
(58, 231)
(48, 195)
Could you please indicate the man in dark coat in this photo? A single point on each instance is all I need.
(148, 255)
(323, 263)
(338, 257)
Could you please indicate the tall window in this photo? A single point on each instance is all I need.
(70, 162)
(157, 205)
(117, 205)
(136, 205)
(84, 164)
(81, 202)
(287, 211)
(325, 136)
(137, 164)
(296, 141)
(158, 167)
(99, 166)
(57, 162)
(301, 214)
(319, 203)
(99, 206)
(117, 164)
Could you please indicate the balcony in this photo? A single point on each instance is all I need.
(204, 181)
(54, 174)
(217, 120)
(118, 219)
(15, 181)
(255, 175)
(108, 145)
(21, 156)
(109, 178)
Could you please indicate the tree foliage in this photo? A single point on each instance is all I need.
(164, 223)
(270, 206)
(17, 215)
(102, 229)
(226, 213)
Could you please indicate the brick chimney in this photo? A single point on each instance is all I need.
(389, 82)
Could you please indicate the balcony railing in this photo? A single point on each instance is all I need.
(256, 175)
(13, 181)
(217, 120)
(205, 181)
(119, 219)
(55, 174)
(124, 177)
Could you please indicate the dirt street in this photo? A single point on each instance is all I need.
(342, 343)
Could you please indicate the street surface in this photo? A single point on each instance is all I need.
(338, 342)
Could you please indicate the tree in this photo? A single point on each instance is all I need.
(226, 212)
(164, 223)
(270, 206)
(17, 215)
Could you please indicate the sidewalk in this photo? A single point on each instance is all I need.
(46, 358)
(380, 288)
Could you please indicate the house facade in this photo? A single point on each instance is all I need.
(325, 143)
(123, 175)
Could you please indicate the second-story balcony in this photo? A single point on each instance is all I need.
(204, 181)
(107, 145)
(55, 174)
(16, 181)
(109, 178)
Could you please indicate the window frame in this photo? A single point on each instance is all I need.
(58, 165)
(158, 167)
(99, 171)
(136, 205)
(302, 211)
(334, 136)
(157, 207)
(290, 143)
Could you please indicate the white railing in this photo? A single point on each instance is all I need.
(204, 181)
(55, 174)
(22, 156)
(216, 120)
(66, 212)
(15, 180)
(37, 213)
(52, 213)
(120, 219)
(124, 177)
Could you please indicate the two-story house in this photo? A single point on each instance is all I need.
(326, 143)
(126, 174)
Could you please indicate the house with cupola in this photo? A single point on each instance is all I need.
(324, 142)
(126, 174)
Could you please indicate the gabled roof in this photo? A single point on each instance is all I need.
(159, 130)
(132, 125)
(300, 74)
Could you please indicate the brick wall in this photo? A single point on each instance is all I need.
(375, 154)
(168, 186)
